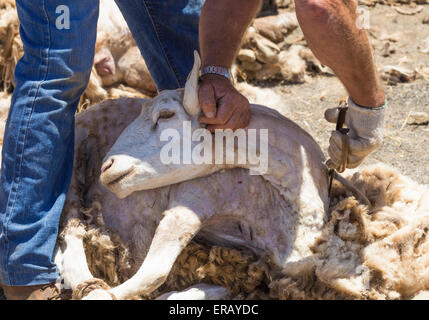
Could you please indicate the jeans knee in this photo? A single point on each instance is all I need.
(80, 77)
(72, 86)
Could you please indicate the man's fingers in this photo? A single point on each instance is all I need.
(335, 155)
(238, 120)
(354, 162)
(224, 113)
(207, 99)
(331, 115)
(233, 113)
(229, 125)
(362, 147)
(336, 139)
(358, 150)
(358, 146)
(223, 106)
(335, 149)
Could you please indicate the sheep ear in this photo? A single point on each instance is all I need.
(190, 98)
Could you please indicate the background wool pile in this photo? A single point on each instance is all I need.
(10, 44)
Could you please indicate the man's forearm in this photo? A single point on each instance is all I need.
(221, 28)
(330, 28)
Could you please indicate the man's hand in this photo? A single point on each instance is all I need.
(223, 106)
(365, 135)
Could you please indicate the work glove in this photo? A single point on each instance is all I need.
(365, 134)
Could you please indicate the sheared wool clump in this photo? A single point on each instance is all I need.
(381, 252)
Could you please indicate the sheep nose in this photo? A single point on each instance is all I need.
(108, 164)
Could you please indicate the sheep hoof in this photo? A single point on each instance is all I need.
(99, 294)
(92, 289)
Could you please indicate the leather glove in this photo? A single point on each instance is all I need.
(365, 134)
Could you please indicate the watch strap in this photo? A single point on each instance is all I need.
(222, 71)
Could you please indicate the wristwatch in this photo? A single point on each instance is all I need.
(216, 70)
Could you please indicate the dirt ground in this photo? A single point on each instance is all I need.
(405, 146)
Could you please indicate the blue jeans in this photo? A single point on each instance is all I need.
(39, 138)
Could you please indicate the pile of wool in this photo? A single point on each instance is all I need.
(10, 44)
(128, 74)
(266, 55)
(381, 252)
(272, 6)
(376, 252)
(237, 270)
(393, 75)
(119, 69)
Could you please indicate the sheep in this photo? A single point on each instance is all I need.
(348, 251)
(275, 216)
(266, 55)
(117, 59)
(341, 266)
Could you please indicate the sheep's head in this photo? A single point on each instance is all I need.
(135, 161)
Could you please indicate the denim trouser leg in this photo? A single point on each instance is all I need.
(39, 137)
(166, 32)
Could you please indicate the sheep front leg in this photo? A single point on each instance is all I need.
(201, 291)
(74, 269)
(176, 229)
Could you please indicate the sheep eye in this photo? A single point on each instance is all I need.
(166, 114)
